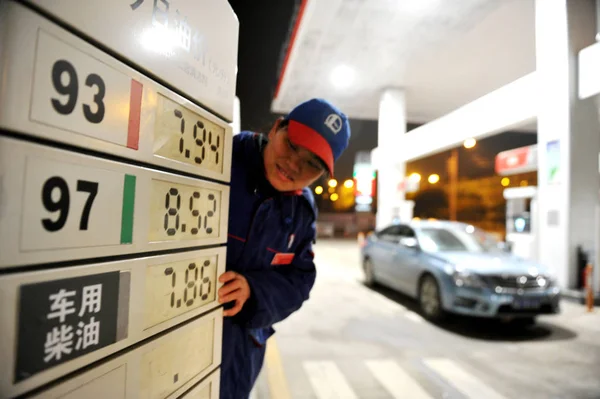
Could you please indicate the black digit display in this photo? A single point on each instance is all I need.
(182, 149)
(190, 284)
(215, 147)
(174, 195)
(63, 202)
(196, 284)
(91, 188)
(199, 142)
(60, 205)
(195, 212)
(205, 281)
(71, 88)
(95, 117)
(211, 213)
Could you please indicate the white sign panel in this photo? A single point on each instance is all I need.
(71, 88)
(67, 318)
(589, 65)
(209, 388)
(167, 367)
(190, 45)
(57, 205)
(61, 88)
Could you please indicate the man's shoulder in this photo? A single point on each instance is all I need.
(243, 138)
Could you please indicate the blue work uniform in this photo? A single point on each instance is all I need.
(265, 227)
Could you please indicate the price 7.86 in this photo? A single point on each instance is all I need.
(197, 284)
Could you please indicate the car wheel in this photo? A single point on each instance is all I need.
(369, 273)
(430, 299)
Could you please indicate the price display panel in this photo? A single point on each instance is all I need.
(169, 366)
(191, 47)
(59, 87)
(69, 317)
(209, 388)
(60, 205)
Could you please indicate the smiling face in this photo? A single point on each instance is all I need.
(289, 167)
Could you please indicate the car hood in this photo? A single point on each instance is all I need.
(488, 263)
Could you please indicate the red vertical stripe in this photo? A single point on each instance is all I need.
(135, 109)
(291, 45)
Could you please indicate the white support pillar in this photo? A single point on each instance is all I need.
(390, 172)
(568, 137)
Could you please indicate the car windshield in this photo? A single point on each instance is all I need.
(469, 239)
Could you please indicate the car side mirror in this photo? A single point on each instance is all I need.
(409, 242)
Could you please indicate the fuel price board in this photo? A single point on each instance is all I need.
(61, 88)
(115, 158)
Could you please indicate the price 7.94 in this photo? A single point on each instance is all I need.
(56, 198)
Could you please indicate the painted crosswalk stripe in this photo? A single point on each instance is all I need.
(412, 316)
(397, 382)
(461, 379)
(327, 381)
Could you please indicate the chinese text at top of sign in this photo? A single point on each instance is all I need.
(61, 88)
(190, 45)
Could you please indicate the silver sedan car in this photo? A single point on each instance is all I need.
(452, 267)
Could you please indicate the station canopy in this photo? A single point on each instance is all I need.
(443, 53)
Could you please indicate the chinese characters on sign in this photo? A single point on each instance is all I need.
(59, 341)
(64, 319)
(178, 32)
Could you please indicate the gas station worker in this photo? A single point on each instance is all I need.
(272, 215)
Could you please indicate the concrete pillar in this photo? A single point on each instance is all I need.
(390, 172)
(568, 137)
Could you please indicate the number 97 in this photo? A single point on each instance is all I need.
(56, 198)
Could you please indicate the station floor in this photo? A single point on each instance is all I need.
(349, 341)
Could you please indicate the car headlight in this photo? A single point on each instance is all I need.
(546, 281)
(467, 279)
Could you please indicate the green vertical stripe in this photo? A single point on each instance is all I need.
(128, 205)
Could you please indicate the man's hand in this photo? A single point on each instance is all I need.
(236, 289)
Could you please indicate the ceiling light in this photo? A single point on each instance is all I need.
(342, 76)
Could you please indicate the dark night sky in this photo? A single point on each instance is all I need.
(264, 33)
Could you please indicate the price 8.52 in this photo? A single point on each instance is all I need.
(181, 212)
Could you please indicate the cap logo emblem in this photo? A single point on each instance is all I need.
(334, 123)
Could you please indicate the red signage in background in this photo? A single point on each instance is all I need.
(518, 160)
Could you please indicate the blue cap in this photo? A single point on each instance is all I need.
(321, 128)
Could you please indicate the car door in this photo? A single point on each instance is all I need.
(406, 261)
(383, 252)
